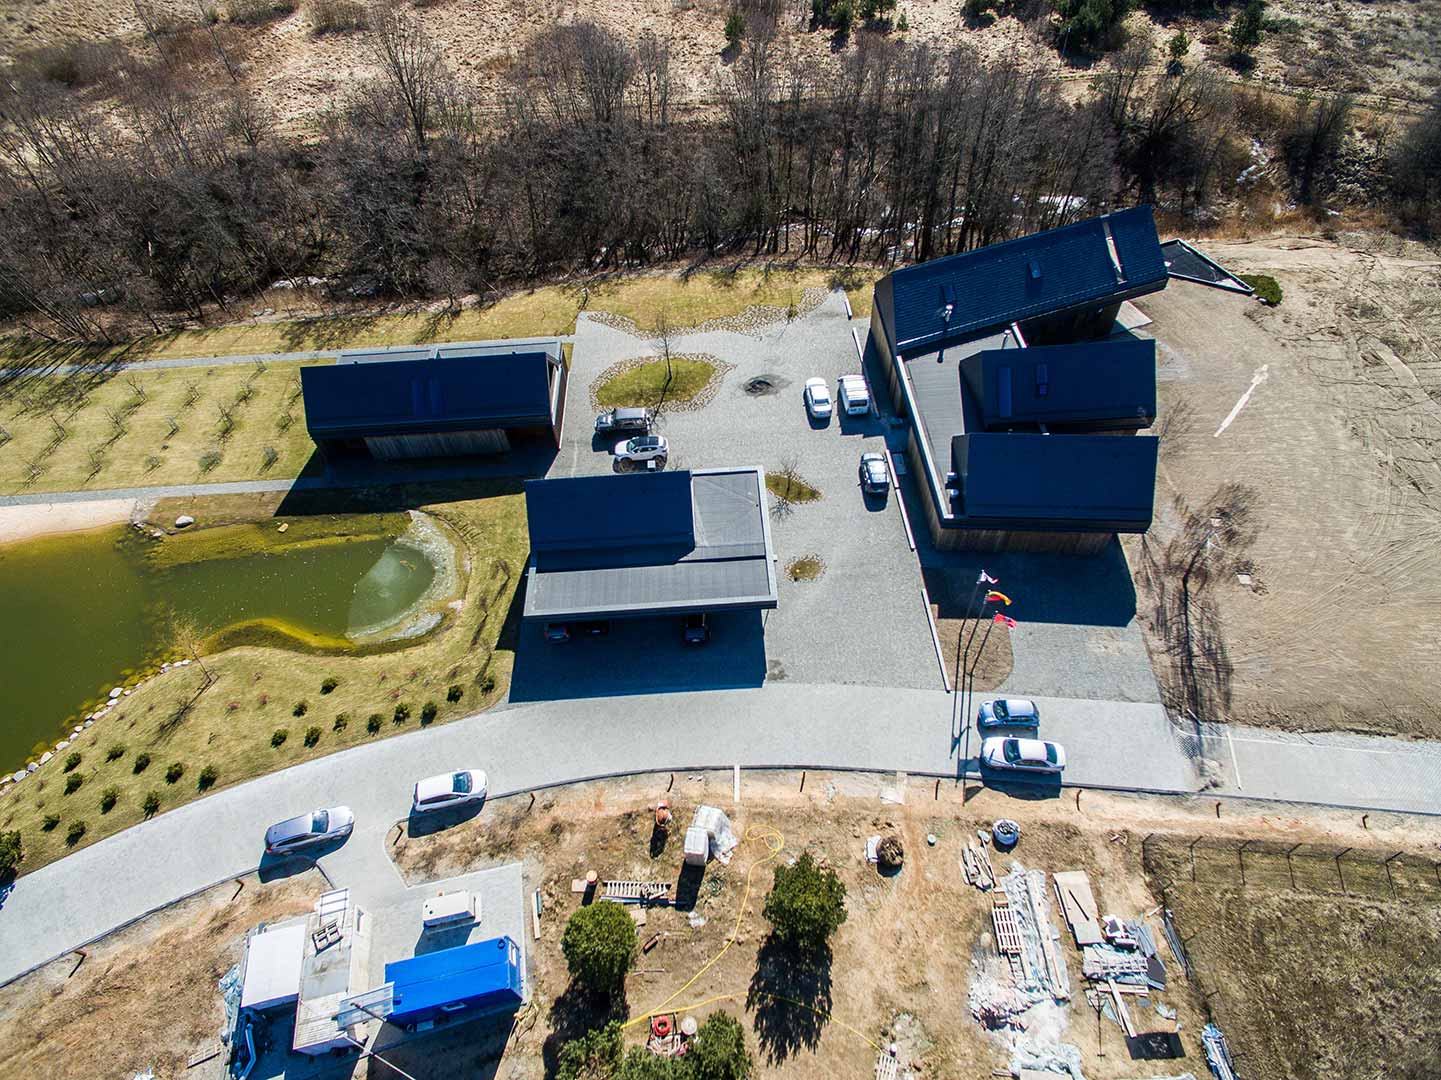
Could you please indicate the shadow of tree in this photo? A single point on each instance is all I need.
(576, 1012)
(790, 995)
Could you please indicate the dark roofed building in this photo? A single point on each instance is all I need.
(1055, 483)
(440, 401)
(1054, 283)
(1090, 386)
(1014, 341)
(640, 544)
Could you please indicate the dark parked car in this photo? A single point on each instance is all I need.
(875, 476)
(637, 420)
(559, 631)
(696, 630)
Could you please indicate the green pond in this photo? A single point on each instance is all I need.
(83, 612)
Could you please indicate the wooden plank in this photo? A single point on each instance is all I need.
(1121, 1010)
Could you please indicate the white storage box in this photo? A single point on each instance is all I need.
(450, 908)
(697, 846)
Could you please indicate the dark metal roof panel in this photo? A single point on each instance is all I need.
(1084, 482)
(727, 565)
(610, 514)
(1098, 384)
(378, 393)
(1028, 277)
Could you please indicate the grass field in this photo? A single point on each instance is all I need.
(542, 312)
(643, 384)
(1312, 972)
(166, 426)
(689, 301)
(229, 727)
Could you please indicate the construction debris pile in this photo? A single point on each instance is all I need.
(1025, 997)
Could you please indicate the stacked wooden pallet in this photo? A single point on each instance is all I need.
(635, 892)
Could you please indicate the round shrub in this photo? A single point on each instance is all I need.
(74, 833)
(428, 711)
(1268, 289)
(806, 904)
(115, 753)
(142, 762)
(299, 709)
(51, 820)
(341, 722)
(174, 772)
(278, 737)
(73, 782)
(72, 761)
(599, 946)
(372, 723)
(312, 735)
(151, 803)
(402, 713)
(207, 778)
(455, 693)
(108, 798)
(329, 684)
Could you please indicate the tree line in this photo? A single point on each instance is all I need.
(186, 196)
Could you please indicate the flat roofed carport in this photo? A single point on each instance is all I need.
(727, 565)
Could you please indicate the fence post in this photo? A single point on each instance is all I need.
(1291, 869)
(1389, 881)
(1340, 874)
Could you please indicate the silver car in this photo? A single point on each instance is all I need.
(316, 827)
(643, 448)
(448, 789)
(1023, 755)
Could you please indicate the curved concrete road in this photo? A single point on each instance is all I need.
(1117, 745)
(85, 895)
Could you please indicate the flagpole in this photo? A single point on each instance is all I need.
(972, 636)
(981, 651)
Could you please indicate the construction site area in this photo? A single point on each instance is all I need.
(1099, 946)
(1288, 580)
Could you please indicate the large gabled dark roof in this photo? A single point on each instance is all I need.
(1100, 260)
(1094, 385)
(582, 521)
(613, 546)
(434, 389)
(1063, 483)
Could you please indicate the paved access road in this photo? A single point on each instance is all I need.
(84, 895)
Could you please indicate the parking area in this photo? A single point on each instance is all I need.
(861, 621)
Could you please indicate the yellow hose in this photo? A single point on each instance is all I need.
(775, 844)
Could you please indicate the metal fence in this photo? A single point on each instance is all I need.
(1326, 870)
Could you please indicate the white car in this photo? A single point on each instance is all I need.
(855, 395)
(818, 399)
(643, 448)
(448, 789)
(1023, 755)
(316, 827)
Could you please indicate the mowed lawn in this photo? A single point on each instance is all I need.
(150, 427)
(258, 691)
(644, 384)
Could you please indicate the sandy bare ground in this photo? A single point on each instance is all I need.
(52, 519)
(1334, 407)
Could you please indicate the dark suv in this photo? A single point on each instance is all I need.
(639, 420)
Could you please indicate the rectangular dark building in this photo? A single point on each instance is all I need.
(437, 402)
(630, 545)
